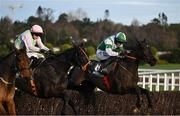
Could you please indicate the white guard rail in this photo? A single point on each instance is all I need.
(159, 80)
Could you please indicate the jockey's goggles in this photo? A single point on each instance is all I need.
(38, 34)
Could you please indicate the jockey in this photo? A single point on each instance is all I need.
(29, 39)
(110, 47)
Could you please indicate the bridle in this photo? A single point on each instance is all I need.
(84, 67)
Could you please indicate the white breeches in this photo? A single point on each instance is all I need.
(102, 55)
(35, 54)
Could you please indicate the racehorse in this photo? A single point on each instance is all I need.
(50, 77)
(122, 77)
(9, 66)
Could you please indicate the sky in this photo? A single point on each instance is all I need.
(120, 11)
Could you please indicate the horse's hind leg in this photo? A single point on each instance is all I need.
(11, 107)
(2, 110)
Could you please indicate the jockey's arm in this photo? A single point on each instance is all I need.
(41, 45)
(108, 48)
(29, 45)
(110, 52)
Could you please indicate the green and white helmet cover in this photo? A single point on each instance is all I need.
(121, 37)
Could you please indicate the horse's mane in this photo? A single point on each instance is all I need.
(131, 44)
(63, 54)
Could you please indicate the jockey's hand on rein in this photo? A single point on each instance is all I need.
(50, 52)
(43, 51)
(122, 55)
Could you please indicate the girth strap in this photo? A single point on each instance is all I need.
(33, 85)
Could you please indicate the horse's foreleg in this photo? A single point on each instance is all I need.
(2, 110)
(11, 107)
(146, 92)
(138, 93)
(68, 101)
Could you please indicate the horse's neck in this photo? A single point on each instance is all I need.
(62, 61)
(66, 56)
(132, 65)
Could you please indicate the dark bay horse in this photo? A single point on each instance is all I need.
(122, 77)
(9, 66)
(50, 77)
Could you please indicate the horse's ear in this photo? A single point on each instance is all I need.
(82, 44)
(136, 40)
(74, 43)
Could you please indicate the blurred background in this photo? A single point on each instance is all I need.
(157, 21)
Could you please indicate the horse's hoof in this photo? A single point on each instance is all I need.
(136, 110)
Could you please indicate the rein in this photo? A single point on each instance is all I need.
(130, 73)
(6, 82)
(84, 67)
(131, 57)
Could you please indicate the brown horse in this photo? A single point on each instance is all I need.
(122, 77)
(9, 66)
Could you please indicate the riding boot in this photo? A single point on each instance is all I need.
(96, 72)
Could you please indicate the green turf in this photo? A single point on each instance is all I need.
(161, 88)
(162, 66)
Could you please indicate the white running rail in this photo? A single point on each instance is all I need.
(159, 80)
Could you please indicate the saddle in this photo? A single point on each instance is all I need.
(36, 62)
(99, 68)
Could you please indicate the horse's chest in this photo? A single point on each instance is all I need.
(6, 92)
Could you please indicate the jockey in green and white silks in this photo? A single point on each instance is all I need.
(111, 46)
(29, 39)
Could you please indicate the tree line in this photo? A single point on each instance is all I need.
(160, 35)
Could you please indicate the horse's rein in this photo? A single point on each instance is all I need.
(131, 57)
(5, 82)
(84, 67)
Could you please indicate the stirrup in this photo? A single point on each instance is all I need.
(104, 71)
(97, 74)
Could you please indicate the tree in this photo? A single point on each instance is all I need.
(6, 35)
(62, 18)
(135, 23)
(46, 14)
(163, 19)
(39, 12)
(79, 14)
(156, 21)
